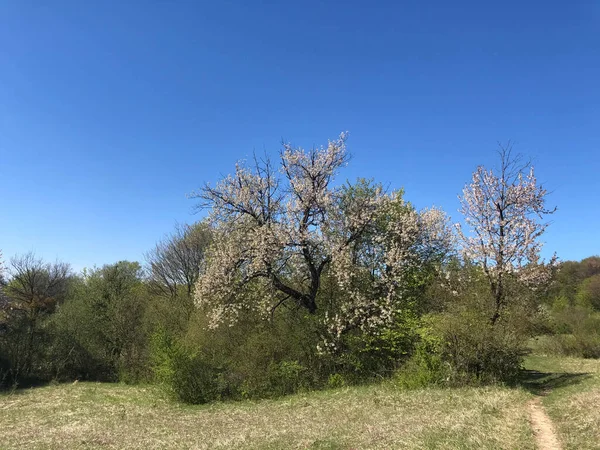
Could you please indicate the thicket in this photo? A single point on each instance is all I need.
(573, 311)
(293, 283)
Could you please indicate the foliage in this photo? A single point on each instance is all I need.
(34, 290)
(425, 368)
(577, 333)
(574, 314)
(173, 268)
(246, 361)
(163, 350)
(277, 237)
(99, 332)
(588, 293)
(463, 349)
(459, 344)
(478, 351)
(194, 381)
(77, 349)
(296, 282)
(366, 356)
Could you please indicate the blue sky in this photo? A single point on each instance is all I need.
(110, 112)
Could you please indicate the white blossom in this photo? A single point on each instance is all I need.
(504, 213)
(280, 231)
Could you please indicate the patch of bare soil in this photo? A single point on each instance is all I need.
(545, 436)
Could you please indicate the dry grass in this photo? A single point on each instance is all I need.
(90, 415)
(573, 404)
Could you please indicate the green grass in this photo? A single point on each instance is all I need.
(92, 415)
(572, 386)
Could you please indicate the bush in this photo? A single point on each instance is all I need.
(184, 374)
(576, 332)
(464, 348)
(76, 349)
(424, 368)
(475, 348)
(336, 380)
(252, 359)
(5, 373)
(581, 345)
(194, 381)
(280, 378)
(163, 350)
(548, 344)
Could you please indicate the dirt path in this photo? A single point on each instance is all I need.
(543, 429)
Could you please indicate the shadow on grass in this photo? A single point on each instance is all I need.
(22, 386)
(541, 383)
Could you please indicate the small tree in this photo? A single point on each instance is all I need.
(504, 212)
(34, 289)
(115, 295)
(175, 262)
(3, 299)
(1, 268)
(173, 268)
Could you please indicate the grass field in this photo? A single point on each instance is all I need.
(95, 415)
(88, 415)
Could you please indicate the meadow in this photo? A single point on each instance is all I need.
(380, 416)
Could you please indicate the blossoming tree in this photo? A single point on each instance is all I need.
(3, 299)
(280, 231)
(1, 269)
(504, 212)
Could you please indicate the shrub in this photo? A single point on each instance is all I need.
(464, 348)
(424, 368)
(183, 373)
(475, 348)
(548, 344)
(336, 380)
(576, 332)
(280, 378)
(163, 350)
(194, 381)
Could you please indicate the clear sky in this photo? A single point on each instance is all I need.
(110, 112)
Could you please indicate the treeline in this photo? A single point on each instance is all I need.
(96, 325)
(294, 283)
(573, 310)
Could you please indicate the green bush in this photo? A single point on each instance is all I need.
(365, 357)
(476, 348)
(270, 359)
(581, 345)
(5, 372)
(183, 373)
(576, 331)
(253, 359)
(287, 377)
(194, 381)
(548, 344)
(461, 348)
(279, 378)
(336, 380)
(424, 368)
(163, 350)
(588, 345)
